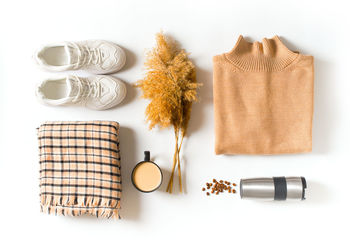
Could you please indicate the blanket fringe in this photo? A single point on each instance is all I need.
(101, 208)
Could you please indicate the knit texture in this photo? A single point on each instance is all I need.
(80, 168)
(263, 99)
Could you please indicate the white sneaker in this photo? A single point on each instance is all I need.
(96, 56)
(97, 92)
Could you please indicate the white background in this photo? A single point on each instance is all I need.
(191, 220)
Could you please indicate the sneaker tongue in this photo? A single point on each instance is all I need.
(73, 54)
(72, 85)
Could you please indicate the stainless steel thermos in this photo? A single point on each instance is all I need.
(273, 188)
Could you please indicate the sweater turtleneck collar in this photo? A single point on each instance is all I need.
(268, 55)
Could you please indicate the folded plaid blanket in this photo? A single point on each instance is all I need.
(80, 168)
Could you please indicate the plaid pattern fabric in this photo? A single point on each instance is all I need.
(80, 168)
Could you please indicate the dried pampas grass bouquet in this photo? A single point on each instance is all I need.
(170, 84)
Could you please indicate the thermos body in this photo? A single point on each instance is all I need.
(273, 188)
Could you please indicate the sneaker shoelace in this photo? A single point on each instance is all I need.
(86, 89)
(89, 56)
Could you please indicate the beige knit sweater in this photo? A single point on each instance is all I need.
(263, 99)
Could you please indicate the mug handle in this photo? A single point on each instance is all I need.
(147, 156)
